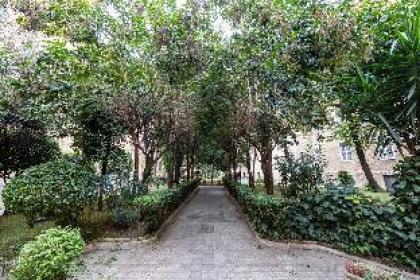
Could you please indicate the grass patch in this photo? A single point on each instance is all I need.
(14, 233)
(95, 225)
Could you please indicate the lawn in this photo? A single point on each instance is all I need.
(14, 232)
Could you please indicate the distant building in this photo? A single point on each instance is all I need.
(338, 157)
(158, 170)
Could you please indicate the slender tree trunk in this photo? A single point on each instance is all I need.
(365, 166)
(267, 168)
(192, 171)
(136, 161)
(251, 182)
(178, 158)
(104, 168)
(148, 168)
(254, 162)
(170, 179)
(212, 174)
(188, 167)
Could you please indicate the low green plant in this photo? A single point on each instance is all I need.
(340, 216)
(49, 256)
(407, 188)
(58, 191)
(124, 217)
(154, 208)
(300, 175)
(345, 179)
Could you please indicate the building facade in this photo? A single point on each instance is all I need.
(337, 157)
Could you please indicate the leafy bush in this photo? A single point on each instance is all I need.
(124, 217)
(299, 175)
(58, 190)
(407, 187)
(49, 256)
(345, 179)
(340, 216)
(155, 208)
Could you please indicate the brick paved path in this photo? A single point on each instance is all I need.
(208, 240)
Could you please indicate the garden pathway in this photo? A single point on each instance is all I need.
(208, 240)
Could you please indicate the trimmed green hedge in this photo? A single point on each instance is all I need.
(339, 216)
(156, 207)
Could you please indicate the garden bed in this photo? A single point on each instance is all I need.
(353, 228)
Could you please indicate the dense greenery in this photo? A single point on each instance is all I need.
(217, 84)
(301, 175)
(49, 256)
(156, 207)
(24, 142)
(58, 190)
(339, 216)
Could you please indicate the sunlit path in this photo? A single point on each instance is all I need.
(209, 240)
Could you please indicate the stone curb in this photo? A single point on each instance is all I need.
(150, 238)
(316, 246)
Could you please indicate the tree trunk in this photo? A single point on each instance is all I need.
(212, 175)
(267, 168)
(365, 166)
(192, 171)
(148, 168)
(136, 163)
(170, 178)
(251, 182)
(254, 162)
(104, 168)
(178, 158)
(188, 167)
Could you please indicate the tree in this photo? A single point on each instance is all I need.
(24, 143)
(98, 135)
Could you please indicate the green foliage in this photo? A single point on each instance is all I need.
(124, 217)
(23, 143)
(300, 175)
(339, 216)
(49, 256)
(345, 179)
(58, 190)
(407, 188)
(15, 232)
(156, 207)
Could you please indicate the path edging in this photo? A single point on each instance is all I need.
(158, 233)
(314, 245)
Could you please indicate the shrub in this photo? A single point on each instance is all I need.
(407, 187)
(155, 208)
(299, 175)
(124, 217)
(345, 179)
(49, 256)
(340, 216)
(58, 190)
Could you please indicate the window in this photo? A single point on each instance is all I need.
(387, 153)
(345, 152)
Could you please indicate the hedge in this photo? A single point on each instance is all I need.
(156, 207)
(341, 217)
